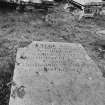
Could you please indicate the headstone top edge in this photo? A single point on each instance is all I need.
(55, 43)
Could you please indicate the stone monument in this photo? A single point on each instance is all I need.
(55, 73)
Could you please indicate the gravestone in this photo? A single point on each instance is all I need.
(83, 2)
(54, 73)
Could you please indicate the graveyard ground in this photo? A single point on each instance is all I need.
(18, 29)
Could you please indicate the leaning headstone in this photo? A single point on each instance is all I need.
(83, 2)
(52, 73)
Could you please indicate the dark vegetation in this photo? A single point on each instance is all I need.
(7, 63)
(4, 6)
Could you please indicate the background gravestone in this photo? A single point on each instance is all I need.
(53, 73)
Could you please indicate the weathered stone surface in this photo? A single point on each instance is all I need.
(52, 73)
(83, 2)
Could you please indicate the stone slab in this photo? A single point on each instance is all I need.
(53, 73)
(83, 2)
